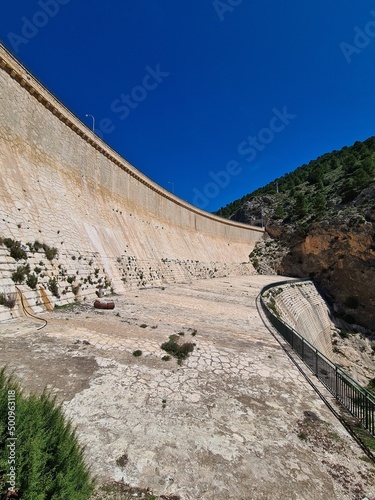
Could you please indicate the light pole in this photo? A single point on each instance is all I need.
(93, 123)
(172, 186)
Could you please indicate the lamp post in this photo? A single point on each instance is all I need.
(172, 186)
(93, 123)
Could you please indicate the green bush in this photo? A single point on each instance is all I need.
(179, 351)
(15, 248)
(371, 386)
(50, 252)
(272, 306)
(52, 286)
(343, 334)
(18, 276)
(32, 281)
(36, 246)
(48, 460)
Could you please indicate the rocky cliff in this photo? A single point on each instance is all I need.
(342, 260)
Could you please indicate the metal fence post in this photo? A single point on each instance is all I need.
(336, 382)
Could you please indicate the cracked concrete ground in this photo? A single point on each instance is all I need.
(236, 420)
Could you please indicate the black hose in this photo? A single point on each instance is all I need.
(29, 313)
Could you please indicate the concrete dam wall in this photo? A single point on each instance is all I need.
(301, 306)
(63, 188)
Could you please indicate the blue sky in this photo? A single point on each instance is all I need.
(210, 99)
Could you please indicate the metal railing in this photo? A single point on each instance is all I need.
(356, 399)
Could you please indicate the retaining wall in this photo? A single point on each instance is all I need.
(301, 306)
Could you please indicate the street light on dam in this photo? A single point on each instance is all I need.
(93, 123)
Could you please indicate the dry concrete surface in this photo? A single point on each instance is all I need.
(236, 420)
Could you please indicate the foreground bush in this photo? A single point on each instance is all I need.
(48, 459)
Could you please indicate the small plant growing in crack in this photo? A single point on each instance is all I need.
(123, 460)
(179, 351)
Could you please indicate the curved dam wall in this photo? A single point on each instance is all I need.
(301, 306)
(62, 186)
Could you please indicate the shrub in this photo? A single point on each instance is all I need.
(137, 353)
(272, 305)
(371, 386)
(255, 263)
(343, 334)
(50, 252)
(52, 286)
(123, 460)
(18, 276)
(15, 248)
(32, 281)
(37, 245)
(49, 460)
(179, 351)
(8, 299)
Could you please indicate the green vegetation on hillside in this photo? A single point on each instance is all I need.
(332, 180)
(39, 447)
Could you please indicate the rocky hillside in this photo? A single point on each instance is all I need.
(320, 223)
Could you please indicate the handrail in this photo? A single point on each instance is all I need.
(355, 398)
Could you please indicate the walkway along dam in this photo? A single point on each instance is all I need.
(107, 225)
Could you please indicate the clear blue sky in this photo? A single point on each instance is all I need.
(186, 90)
